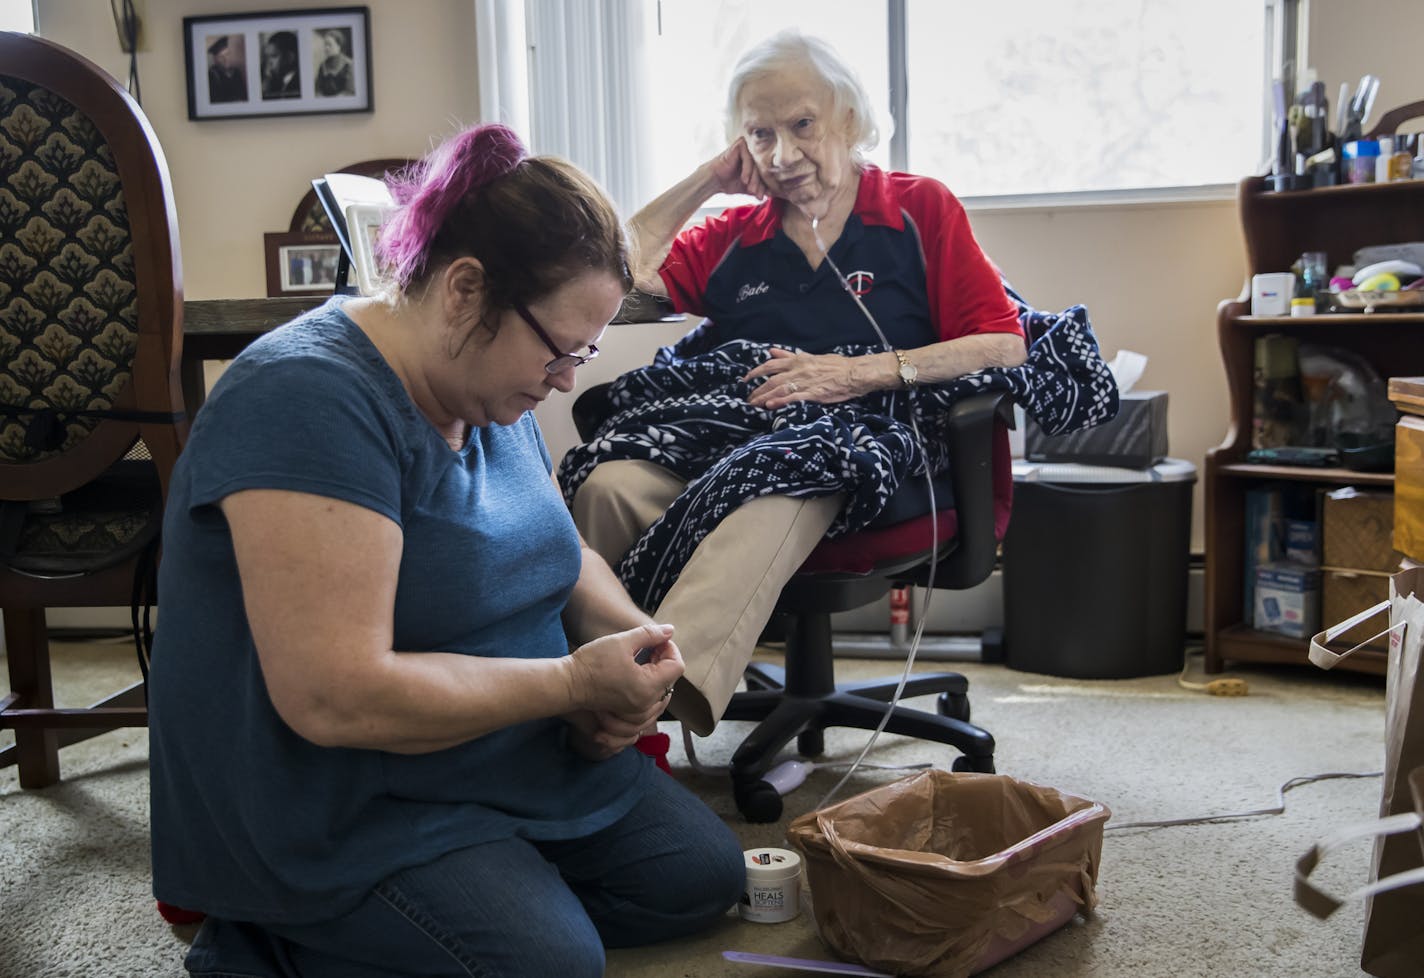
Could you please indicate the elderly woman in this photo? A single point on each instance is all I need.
(799, 120)
(372, 750)
(334, 69)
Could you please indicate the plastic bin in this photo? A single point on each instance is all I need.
(945, 875)
(1095, 569)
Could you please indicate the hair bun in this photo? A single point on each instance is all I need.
(431, 190)
(490, 151)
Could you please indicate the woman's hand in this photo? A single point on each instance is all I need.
(622, 698)
(605, 678)
(599, 736)
(823, 378)
(735, 171)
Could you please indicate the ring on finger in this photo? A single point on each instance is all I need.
(791, 387)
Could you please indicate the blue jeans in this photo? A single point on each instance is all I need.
(511, 908)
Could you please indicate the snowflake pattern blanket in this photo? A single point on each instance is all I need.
(689, 414)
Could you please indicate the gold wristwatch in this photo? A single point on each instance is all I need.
(908, 371)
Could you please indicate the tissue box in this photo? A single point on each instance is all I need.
(1271, 293)
(1287, 599)
(1135, 439)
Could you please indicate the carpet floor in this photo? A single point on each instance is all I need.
(1195, 900)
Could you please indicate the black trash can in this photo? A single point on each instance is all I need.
(1095, 569)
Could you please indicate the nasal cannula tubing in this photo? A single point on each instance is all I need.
(934, 532)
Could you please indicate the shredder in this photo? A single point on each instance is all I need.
(1095, 569)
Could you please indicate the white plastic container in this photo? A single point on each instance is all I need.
(773, 892)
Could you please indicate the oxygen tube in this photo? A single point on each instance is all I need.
(934, 528)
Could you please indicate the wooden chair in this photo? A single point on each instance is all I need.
(91, 409)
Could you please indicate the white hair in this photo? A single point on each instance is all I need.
(790, 48)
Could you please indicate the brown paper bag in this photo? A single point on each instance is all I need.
(1394, 919)
(1407, 953)
(944, 875)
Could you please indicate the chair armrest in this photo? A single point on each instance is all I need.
(969, 434)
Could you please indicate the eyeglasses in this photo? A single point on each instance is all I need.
(561, 361)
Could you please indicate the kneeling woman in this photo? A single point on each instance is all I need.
(372, 751)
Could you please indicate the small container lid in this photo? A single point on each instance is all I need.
(1361, 147)
(767, 865)
(1167, 470)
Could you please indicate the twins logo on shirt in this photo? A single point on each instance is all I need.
(861, 282)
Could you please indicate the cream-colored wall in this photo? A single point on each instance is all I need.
(1150, 275)
(235, 179)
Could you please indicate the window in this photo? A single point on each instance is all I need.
(1016, 97)
(693, 49)
(1050, 96)
(17, 15)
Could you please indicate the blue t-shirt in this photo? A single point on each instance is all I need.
(252, 822)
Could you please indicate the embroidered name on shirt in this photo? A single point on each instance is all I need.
(747, 291)
(861, 282)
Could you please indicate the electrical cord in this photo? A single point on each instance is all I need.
(1223, 686)
(127, 24)
(1232, 816)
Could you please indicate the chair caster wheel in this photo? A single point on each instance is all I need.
(991, 645)
(982, 765)
(758, 801)
(811, 743)
(954, 705)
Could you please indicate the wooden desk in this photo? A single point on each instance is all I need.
(219, 329)
(1407, 393)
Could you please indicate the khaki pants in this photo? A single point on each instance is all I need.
(726, 592)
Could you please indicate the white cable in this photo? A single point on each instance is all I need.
(708, 770)
(1277, 810)
(934, 530)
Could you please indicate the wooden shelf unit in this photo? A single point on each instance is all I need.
(1278, 228)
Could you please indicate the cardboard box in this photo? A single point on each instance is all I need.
(1287, 599)
(1358, 529)
(1135, 439)
(1344, 593)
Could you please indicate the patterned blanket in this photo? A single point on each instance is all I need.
(689, 414)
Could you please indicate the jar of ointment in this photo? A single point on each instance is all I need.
(773, 892)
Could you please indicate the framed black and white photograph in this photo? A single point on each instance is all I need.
(288, 62)
(301, 264)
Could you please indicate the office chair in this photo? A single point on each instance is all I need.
(91, 409)
(802, 699)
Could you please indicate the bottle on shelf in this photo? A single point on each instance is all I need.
(1310, 281)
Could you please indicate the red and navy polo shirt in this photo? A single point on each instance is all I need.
(907, 250)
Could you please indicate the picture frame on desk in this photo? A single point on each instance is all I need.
(278, 63)
(301, 264)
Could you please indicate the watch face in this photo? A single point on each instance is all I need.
(908, 373)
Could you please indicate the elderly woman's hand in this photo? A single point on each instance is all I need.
(825, 378)
(735, 171)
